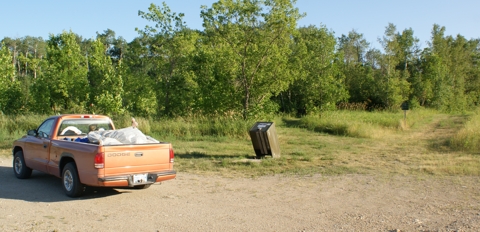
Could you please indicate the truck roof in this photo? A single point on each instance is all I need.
(73, 116)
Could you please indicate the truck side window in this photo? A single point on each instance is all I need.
(45, 129)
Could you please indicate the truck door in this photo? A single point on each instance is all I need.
(38, 148)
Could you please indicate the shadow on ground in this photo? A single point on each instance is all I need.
(42, 187)
(201, 155)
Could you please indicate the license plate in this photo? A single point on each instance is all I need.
(140, 178)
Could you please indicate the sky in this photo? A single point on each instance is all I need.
(21, 18)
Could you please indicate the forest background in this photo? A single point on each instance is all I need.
(250, 61)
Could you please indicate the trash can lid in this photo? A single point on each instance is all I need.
(261, 126)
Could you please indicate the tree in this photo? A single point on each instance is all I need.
(13, 45)
(472, 86)
(460, 59)
(394, 84)
(353, 47)
(107, 91)
(360, 65)
(64, 86)
(449, 66)
(7, 76)
(255, 37)
(321, 85)
(170, 45)
(7, 68)
(115, 48)
(139, 89)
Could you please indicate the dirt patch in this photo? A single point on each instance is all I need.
(275, 203)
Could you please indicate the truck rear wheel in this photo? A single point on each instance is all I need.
(71, 182)
(19, 167)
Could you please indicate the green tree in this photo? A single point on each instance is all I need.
(321, 85)
(7, 75)
(449, 68)
(394, 83)
(436, 89)
(64, 85)
(360, 64)
(353, 46)
(7, 68)
(170, 45)
(139, 89)
(460, 62)
(107, 91)
(30, 63)
(254, 39)
(115, 47)
(472, 86)
(14, 46)
(217, 92)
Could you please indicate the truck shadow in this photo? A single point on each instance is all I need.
(202, 155)
(42, 187)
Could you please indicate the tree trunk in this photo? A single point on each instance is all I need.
(246, 102)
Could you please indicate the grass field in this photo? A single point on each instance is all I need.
(421, 147)
(341, 142)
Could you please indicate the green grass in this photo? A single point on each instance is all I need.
(335, 143)
(14, 127)
(382, 144)
(190, 128)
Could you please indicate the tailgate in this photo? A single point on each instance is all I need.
(138, 158)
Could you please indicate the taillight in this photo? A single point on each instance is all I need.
(172, 155)
(99, 161)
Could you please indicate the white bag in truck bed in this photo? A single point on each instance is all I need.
(127, 135)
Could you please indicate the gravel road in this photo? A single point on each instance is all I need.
(274, 203)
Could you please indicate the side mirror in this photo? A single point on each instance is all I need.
(32, 132)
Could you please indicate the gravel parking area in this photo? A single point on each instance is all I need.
(273, 203)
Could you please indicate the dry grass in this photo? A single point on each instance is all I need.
(468, 137)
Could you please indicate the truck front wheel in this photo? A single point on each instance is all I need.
(19, 168)
(71, 182)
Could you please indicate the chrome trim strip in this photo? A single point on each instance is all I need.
(128, 177)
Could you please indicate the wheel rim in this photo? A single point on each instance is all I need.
(68, 180)
(18, 165)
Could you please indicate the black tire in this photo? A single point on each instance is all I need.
(143, 186)
(19, 167)
(70, 181)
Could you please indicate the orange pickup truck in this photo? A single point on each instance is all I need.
(58, 147)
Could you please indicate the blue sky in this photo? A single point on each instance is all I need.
(20, 18)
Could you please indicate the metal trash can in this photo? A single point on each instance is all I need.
(264, 139)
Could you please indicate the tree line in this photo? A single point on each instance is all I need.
(250, 60)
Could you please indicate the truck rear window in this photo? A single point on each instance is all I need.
(83, 126)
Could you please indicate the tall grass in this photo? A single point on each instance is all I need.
(189, 128)
(14, 127)
(21, 123)
(178, 127)
(362, 124)
(201, 126)
(468, 138)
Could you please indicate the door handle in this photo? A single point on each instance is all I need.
(45, 145)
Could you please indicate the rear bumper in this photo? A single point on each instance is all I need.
(127, 180)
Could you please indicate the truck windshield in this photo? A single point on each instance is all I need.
(83, 126)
